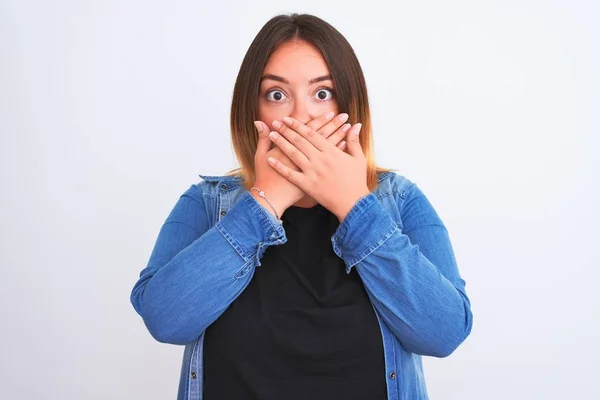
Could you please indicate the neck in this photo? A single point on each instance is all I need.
(306, 202)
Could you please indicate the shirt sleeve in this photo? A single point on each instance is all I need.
(410, 274)
(195, 272)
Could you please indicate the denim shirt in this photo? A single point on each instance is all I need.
(214, 237)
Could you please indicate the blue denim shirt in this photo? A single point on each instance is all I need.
(214, 237)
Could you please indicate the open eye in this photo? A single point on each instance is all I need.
(322, 94)
(277, 95)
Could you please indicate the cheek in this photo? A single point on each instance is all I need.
(333, 107)
(269, 114)
(324, 107)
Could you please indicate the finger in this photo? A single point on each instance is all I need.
(353, 142)
(293, 176)
(326, 125)
(340, 134)
(334, 125)
(293, 153)
(303, 137)
(320, 121)
(264, 144)
(294, 137)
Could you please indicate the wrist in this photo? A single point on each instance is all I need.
(271, 205)
(344, 209)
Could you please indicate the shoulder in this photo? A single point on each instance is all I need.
(408, 198)
(413, 204)
(394, 183)
(211, 186)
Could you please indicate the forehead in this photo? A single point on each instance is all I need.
(297, 59)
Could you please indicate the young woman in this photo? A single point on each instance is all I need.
(317, 275)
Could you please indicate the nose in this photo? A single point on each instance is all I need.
(302, 111)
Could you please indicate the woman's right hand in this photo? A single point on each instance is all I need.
(281, 192)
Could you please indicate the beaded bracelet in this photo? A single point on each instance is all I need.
(262, 194)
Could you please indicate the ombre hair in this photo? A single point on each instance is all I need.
(346, 74)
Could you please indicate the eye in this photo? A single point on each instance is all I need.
(277, 95)
(322, 93)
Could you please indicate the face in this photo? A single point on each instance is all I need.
(296, 83)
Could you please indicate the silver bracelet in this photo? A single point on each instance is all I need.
(262, 194)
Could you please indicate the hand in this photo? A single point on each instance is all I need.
(280, 191)
(335, 179)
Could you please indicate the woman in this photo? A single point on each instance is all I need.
(316, 276)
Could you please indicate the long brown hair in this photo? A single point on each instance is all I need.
(346, 73)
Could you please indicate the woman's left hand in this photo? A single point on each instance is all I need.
(334, 178)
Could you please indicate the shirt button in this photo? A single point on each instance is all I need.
(194, 375)
(392, 375)
(223, 186)
(223, 212)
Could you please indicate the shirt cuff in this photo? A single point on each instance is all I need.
(366, 227)
(249, 227)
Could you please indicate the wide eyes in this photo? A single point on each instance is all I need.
(277, 95)
(322, 94)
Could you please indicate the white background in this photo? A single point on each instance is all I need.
(110, 109)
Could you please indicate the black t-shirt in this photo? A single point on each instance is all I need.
(302, 329)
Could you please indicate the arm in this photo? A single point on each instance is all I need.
(195, 272)
(410, 274)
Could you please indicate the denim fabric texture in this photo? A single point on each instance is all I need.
(213, 239)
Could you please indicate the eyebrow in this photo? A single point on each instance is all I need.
(283, 80)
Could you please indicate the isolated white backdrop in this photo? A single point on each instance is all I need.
(110, 109)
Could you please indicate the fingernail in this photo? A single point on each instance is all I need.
(258, 126)
(287, 120)
(357, 130)
(277, 124)
(346, 127)
(329, 115)
(343, 117)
